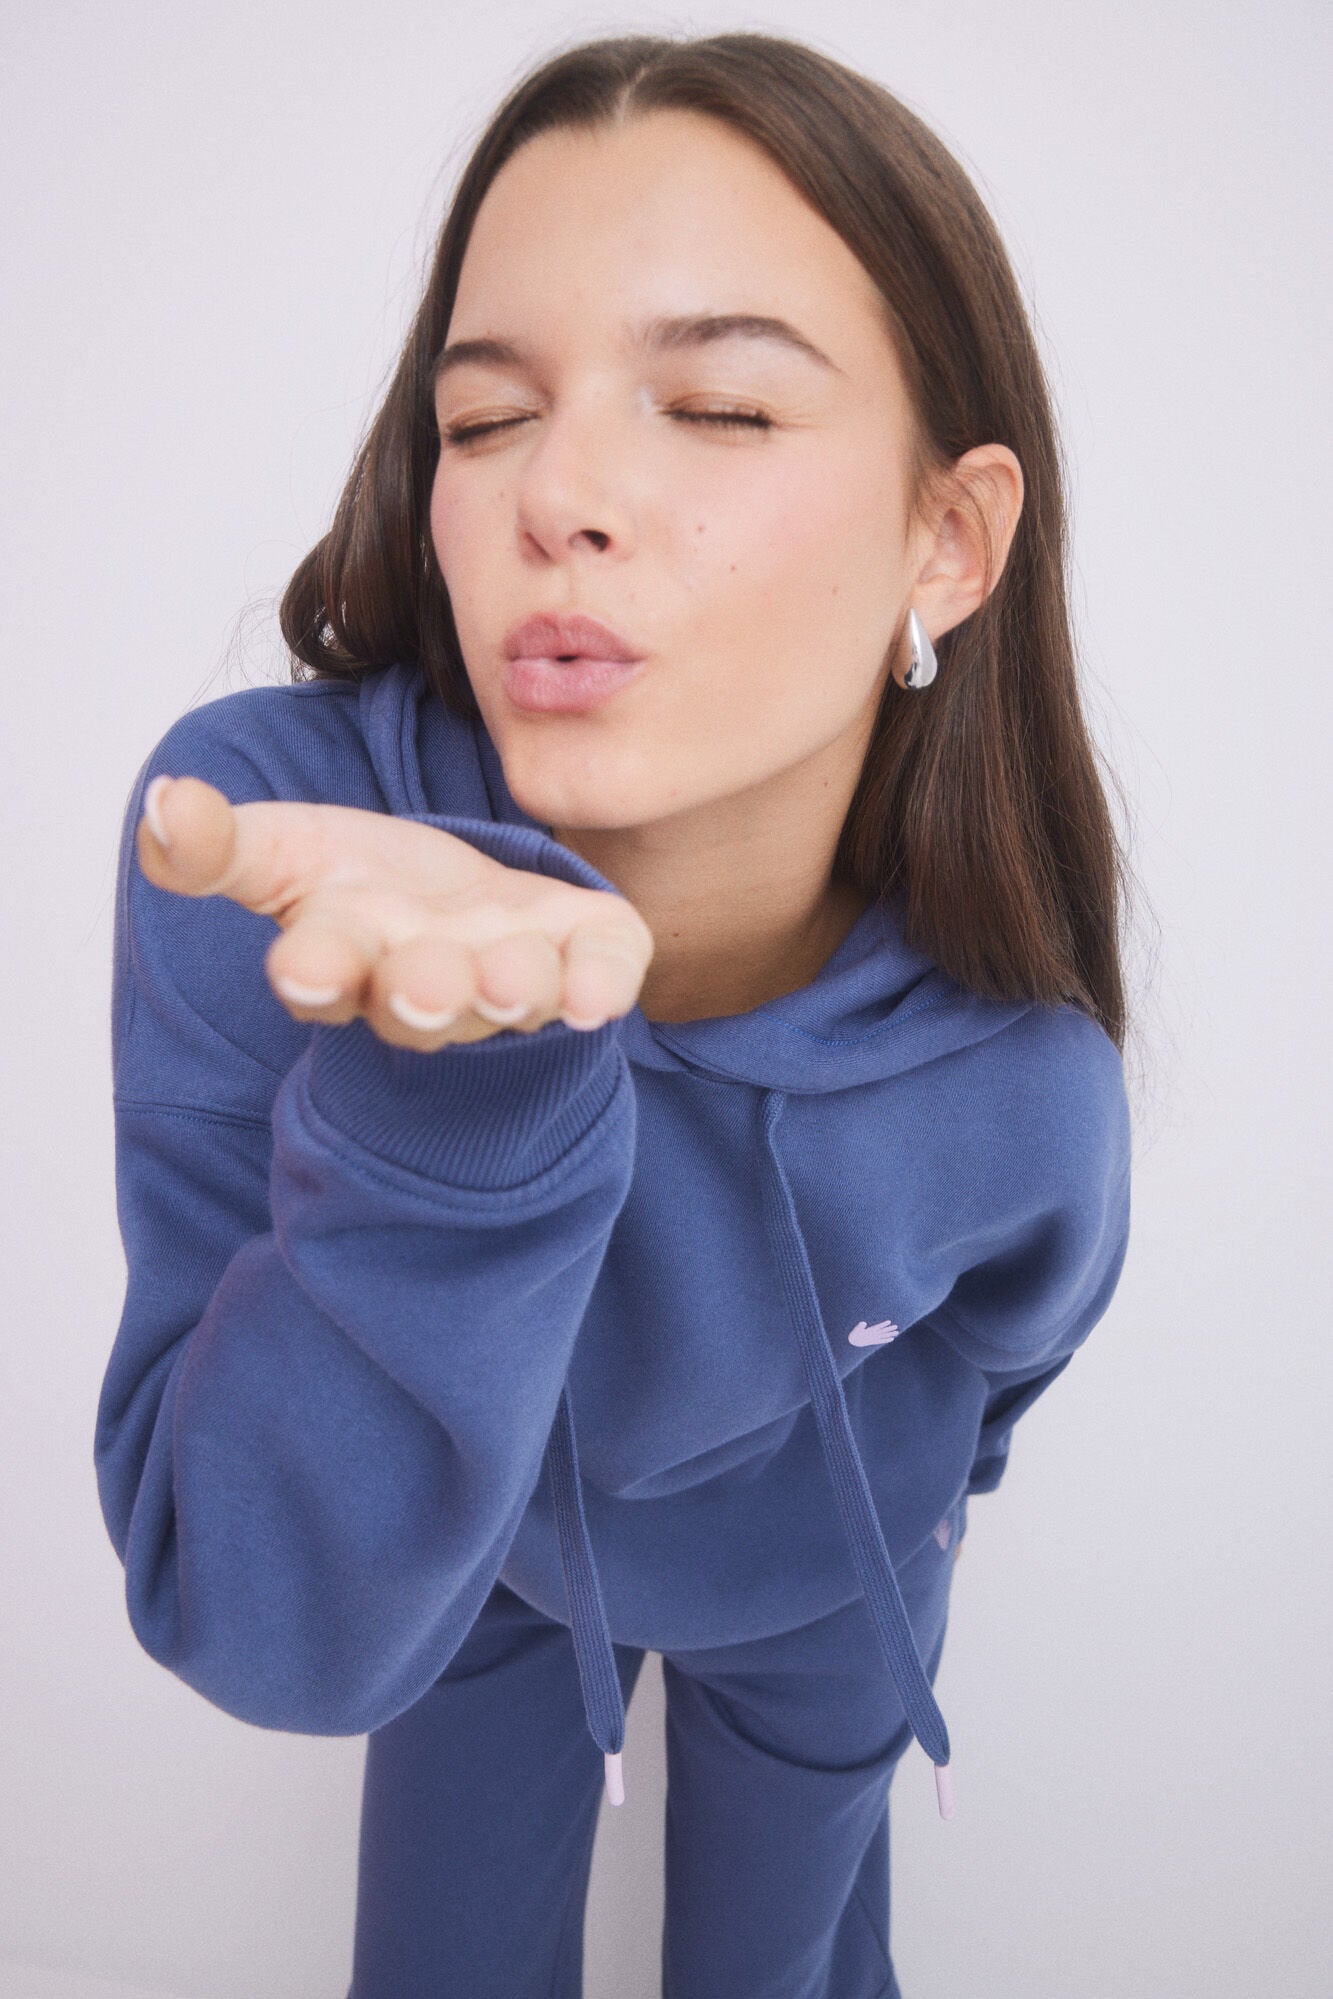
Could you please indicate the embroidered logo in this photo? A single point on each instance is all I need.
(874, 1336)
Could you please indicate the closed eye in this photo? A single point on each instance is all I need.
(752, 418)
(749, 419)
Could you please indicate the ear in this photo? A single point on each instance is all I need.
(968, 537)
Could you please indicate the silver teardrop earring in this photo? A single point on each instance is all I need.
(924, 665)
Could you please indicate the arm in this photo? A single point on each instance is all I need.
(1007, 1401)
(346, 1324)
(1054, 1257)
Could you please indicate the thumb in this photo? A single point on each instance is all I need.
(187, 836)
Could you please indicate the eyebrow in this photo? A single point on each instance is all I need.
(659, 336)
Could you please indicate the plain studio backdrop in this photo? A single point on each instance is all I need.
(215, 223)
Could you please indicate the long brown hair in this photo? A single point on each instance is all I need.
(980, 798)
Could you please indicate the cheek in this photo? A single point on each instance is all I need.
(467, 553)
(796, 573)
(446, 524)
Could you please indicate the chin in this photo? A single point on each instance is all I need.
(553, 789)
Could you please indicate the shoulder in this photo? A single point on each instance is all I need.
(302, 741)
(1045, 1113)
(192, 1009)
(1066, 1080)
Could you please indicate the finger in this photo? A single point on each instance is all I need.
(419, 995)
(186, 837)
(320, 971)
(267, 854)
(605, 961)
(518, 980)
(194, 841)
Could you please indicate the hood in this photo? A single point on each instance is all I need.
(875, 1009)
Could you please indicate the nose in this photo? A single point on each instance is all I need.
(572, 491)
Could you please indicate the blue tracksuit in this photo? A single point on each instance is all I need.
(447, 1384)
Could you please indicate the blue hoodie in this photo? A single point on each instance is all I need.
(687, 1332)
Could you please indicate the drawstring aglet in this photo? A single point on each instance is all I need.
(615, 1777)
(944, 1789)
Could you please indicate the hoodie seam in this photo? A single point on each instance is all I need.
(207, 1112)
(1003, 1356)
(993, 1350)
(827, 1040)
(872, 1033)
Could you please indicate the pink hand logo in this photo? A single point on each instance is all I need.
(873, 1336)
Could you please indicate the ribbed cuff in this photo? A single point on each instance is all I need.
(482, 1115)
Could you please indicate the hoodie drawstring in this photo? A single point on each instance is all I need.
(846, 1471)
(602, 1701)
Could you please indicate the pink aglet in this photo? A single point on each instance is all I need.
(615, 1777)
(944, 1789)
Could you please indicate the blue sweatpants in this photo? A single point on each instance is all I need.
(481, 1801)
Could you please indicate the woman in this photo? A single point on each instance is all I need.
(695, 1004)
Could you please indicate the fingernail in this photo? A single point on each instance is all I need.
(417, 1016)
(308, 995)
(584, 1026)
(503, 1016)
(152, 800)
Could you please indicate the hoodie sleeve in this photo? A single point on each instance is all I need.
(1007, 1399)
(355, 1276)
(1053, 1254)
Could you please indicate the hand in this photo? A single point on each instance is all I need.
(378, 912)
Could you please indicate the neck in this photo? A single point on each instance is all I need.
(734, 933)
(738, 891)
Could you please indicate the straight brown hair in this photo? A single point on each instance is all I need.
(980, 797)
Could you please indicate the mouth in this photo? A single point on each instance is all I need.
(571, 637)
(566, 684)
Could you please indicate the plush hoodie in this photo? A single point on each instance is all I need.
(687, 1332)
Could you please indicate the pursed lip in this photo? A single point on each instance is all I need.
(552, 635)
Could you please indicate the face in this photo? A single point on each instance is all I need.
(761, 566)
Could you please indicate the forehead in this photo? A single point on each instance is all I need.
(673, 212)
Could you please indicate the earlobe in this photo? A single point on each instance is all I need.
(973, 537)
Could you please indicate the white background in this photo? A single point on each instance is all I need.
(215, 223)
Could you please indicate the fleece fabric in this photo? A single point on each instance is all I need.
(688, 1333)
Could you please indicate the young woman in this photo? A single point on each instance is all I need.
(678, 1126)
